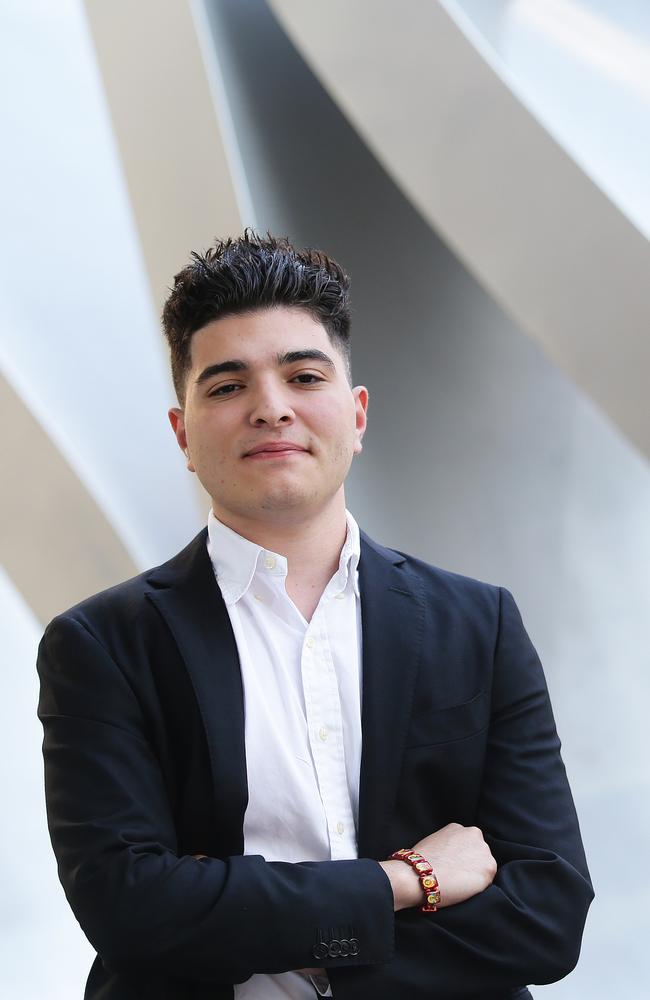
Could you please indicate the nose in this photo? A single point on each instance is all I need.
(271, 407)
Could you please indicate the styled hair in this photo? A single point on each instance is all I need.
(249, 273)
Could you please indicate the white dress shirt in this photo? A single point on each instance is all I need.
(302, 703)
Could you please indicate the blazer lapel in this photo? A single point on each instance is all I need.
(188, 597)
(392, 614)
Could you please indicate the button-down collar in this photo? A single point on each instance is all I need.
(236, 560)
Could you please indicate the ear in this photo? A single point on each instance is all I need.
(360, 394)
(177, 420)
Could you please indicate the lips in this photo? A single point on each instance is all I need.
(273, 447)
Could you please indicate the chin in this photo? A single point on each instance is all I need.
(282, 501)
(289, 497)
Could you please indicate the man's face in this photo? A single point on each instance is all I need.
(270, 423)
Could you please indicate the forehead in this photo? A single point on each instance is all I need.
(259, 336)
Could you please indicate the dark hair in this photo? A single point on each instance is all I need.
(248, 273)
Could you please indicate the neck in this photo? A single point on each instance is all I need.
(311, 544)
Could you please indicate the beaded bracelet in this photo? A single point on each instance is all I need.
(424, 872)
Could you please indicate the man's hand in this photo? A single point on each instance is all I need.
(461, 861)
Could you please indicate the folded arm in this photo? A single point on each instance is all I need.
(526, 925)
(143, 906)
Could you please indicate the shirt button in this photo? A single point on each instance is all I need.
(310, 643)
(323, 734)
(339, 597)
(340, 828)
(269, 562)
(258, 597)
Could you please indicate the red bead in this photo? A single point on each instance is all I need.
(424, 871)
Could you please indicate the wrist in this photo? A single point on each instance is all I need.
(425, 874)
(405, 884)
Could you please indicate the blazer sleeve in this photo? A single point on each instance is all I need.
(527, 926)
(142, 906)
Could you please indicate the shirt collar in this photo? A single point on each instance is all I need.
(350, 555)
(236, 559)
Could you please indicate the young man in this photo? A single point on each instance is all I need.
(238, 741)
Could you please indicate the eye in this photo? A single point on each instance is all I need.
(307, 378)
(225, 390)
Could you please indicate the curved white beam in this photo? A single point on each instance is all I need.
(79, 345)
(57, 545)
(175, 158)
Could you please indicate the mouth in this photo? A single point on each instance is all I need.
(275, 449)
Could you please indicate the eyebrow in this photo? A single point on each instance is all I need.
(288, 358)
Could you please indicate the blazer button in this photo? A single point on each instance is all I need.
(320, 951)
(345, 947)
(354, 946)
(334, 949)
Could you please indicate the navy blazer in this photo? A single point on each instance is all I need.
(142, 707)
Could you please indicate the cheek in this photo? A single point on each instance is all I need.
(334, 426)
(207, 436)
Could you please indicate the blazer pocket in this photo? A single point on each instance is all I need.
(432, 726)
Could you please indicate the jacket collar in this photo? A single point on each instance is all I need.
(393, 615)
(187, 596)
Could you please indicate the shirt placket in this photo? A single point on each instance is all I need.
(324, 721)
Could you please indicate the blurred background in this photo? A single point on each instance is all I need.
(480, 167)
